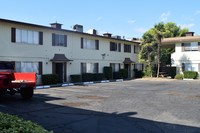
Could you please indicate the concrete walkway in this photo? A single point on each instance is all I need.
(137, 106)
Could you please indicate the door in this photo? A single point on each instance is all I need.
(59, 71)
(128, 68)
(60, 68)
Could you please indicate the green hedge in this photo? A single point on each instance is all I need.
(123, 73)
(179, 76)
(98, 76)
(49, 79)
(14, 124)
(117, 75)
(75, 78)
(190, 74)
(138, 74)
(86, 77)
(107, 71)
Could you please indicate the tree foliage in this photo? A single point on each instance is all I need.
(152, 40)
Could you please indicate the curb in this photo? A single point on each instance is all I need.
(79, 83)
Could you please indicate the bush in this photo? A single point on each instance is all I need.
(190, 74)
(14, 124)
(107, 71)
(117, 75)
(138, 74)
(98, 76)
(179, 76)
(75, 78)
(49, 79)
(123, 73)
(87, 77)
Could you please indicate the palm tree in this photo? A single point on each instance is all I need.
(159, 31)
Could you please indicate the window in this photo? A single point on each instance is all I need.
(136, 49)
(29, 67)
(89, 44)
(127, 48)
(26, 36)
(115, 46)
(138, 66)
(190, 67)
(89, 67)
(190, 46)
(59, 40)
(115, 67)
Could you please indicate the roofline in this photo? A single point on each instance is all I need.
(65, 30)
(186, 39)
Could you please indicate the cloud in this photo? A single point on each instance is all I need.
(131, 21)
(99, 19)
(141, 30)
(187, 25)
(164, 16)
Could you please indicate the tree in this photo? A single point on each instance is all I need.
(153, 38)
(158, 31)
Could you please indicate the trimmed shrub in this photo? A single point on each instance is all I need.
(14, 124)
(107, 72)
(87, 77)
(190, 74)
(117, 75)
(138, 74)
(49, 79)
(123, 73)
(75, 78)
(98, 76)
(179, 76)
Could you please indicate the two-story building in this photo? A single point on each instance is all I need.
(187, 52)
(51, 49)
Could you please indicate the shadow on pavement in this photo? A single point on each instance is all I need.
(65, 119)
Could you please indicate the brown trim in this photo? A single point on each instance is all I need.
(97, 44)
(65, 71)
(119, 47)
(81, 42)
(65, 40)
(53, 39)
(97, 67)
(13, 34)
(41, 38)
(53, 68)
(40, 68)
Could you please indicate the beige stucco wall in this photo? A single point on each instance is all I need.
(30, 52)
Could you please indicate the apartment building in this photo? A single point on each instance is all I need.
(53, 50)
(187, 52)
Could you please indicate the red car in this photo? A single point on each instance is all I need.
(16, 82)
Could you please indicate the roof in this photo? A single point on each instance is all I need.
(128, 61)
(180, 39)
(60, 58)
(71, 31)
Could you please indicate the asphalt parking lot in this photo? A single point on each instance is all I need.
(136, 106)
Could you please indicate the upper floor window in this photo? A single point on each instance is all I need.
(115, 46)
(136, 49)
(190, 46)
(89, 44)
(127, 48)
(26, 36)
(59, 40)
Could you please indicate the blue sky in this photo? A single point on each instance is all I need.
(129, 18)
